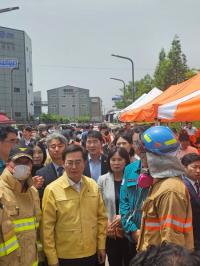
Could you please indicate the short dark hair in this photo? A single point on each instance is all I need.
(140, 129)
(122, 153)
(74, 148)
(95, 134)
(190, 158)
(184, 137)
(166, 254)
(4, 131)
(27, 128)
(125, 135)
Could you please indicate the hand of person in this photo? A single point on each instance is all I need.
(110, 231)
(119, 232)
(38, 181)
(10, 166)
(116, 222)
(135, 235)
(101, 253)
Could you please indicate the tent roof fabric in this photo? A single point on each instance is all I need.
(143, 99)
(176, 94)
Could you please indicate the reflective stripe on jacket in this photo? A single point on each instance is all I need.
(167, 215)
(22, 214)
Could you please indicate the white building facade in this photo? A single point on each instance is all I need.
(16, 85)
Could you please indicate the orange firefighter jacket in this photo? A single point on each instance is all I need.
(167, 215)
(19, 217)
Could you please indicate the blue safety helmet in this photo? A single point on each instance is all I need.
(160, 140)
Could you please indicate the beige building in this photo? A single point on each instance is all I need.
(96, 109)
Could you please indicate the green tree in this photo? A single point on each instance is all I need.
(126, 97)
(141, 86)
(161, 69)
(178, 63)
(83, 119)
(171, 69)
(144, 85)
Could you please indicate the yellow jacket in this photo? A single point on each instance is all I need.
(73, 223)
(19, 218)
(167, 215)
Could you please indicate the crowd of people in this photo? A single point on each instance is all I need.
(71, 196)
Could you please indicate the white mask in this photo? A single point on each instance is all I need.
(21, 172)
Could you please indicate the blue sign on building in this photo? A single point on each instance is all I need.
(117, 98)
(8, 63)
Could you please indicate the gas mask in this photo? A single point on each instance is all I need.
(21, 172)
(145, 180)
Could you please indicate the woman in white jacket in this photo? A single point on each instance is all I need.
(117, 247)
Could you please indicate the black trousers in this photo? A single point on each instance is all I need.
(87, 261)
(119, 251)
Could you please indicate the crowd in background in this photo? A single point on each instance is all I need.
(111, 212)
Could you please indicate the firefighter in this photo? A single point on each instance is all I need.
(167, 213)
(19, 211)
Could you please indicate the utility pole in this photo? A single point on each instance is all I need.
(132, 64)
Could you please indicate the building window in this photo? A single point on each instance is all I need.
(63, 105)
(16, 89)
(17, 114)
(68, 91)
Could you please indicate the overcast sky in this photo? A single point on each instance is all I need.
(72, 40)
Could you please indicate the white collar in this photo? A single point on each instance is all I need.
(90, 158)
(77, 186)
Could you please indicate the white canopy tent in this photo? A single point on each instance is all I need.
(142, 100)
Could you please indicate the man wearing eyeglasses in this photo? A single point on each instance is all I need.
(8, 138)
(74, 217)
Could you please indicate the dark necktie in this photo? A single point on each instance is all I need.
(197, 188)
(60, 170)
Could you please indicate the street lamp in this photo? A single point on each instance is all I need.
(121, 80)
(129, 59)
(8, 9)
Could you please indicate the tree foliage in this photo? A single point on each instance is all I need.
(171, 69)
(60, 119)
(143, 86)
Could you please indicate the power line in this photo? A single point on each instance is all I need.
(92, 67)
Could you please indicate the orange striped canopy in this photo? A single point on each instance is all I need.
(179, 102)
